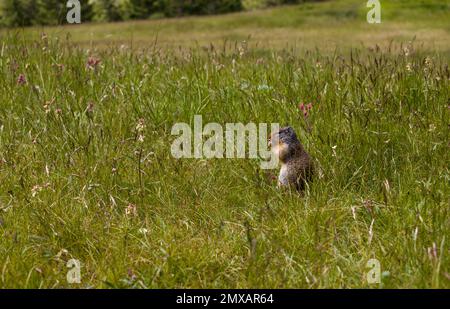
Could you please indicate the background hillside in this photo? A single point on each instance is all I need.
(15, 13)
(326, 25)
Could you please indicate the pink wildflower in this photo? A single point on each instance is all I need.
(93, 62)
(21, 80)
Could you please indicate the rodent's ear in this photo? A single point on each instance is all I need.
(285, 128)
(291, 132)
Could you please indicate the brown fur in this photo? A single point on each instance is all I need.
(297, 167)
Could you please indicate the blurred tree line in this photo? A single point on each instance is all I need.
(18, 13)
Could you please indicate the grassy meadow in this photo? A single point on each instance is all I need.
(86, 170)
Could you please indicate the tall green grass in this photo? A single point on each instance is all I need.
(75, 182)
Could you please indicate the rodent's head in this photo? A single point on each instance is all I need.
(284, 143)
(285, 135)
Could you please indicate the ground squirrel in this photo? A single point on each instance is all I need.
(296, 164)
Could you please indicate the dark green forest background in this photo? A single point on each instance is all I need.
(19, 13)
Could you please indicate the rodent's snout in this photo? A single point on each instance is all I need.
(272, 138)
